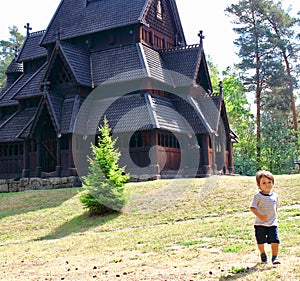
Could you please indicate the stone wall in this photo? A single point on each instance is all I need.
(24, 184)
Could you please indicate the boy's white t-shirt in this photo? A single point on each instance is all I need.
(266, 204)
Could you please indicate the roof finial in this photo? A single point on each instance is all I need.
(221, 87)
(28, 28)
(201, 36)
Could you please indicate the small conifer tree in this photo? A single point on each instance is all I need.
(104, 186)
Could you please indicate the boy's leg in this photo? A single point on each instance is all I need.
(274, 247)
(261, 248)
(263, 255)
(274, 239)
(260, 235)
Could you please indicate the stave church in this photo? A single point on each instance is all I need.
(128, 62)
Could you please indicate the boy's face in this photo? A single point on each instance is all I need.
(265, 185)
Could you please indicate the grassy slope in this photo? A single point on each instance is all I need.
(198, 229)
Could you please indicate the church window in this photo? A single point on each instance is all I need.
(158, 42)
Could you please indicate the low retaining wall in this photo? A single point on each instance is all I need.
(23, 184)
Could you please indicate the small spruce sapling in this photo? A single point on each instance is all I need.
(103, 187)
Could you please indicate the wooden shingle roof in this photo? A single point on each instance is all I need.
(70, 110)
(31, 48)
(209, 108)
(13, 128)
(117, 65)
(176, 67)
(14, 67)
(31, 88)
(6, 96)
(75, 18)
(79, 61)
(183, 60)
(139, 111)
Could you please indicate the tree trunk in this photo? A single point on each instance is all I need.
(291, 93)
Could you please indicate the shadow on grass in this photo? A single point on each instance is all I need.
(246, 271)
(29, 201)
(78, 224)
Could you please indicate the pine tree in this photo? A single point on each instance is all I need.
(104, 186)
(267, 48)
(8, 52)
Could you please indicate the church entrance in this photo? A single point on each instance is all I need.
(48, 146)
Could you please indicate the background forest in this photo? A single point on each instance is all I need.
(261, 91)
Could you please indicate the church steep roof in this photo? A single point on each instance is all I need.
(75, 18)
(91, 16)
(182, 60)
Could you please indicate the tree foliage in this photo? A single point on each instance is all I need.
(104, 185)
(8, 50)
(241, 121)
(268, 49)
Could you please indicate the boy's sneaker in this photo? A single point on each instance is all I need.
(275, 260)
(264, 258)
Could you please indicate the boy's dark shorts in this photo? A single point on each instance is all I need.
(264, 234)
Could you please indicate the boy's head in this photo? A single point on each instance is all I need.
(266, 174)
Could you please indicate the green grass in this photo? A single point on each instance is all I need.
(186, 219)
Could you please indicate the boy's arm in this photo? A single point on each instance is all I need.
(262, 217)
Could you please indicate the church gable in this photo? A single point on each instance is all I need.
(162, 27)
(68, 65)
(202, 75)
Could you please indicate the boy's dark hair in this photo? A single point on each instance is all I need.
(265, 174)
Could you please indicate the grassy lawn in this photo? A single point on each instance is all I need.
(185, 229)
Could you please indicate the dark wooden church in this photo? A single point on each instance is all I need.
(127, 61)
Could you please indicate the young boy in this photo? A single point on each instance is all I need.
(264, 206)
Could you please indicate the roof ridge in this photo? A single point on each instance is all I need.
(179, 48)
(37, 33)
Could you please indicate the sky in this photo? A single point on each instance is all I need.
(195, 15)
